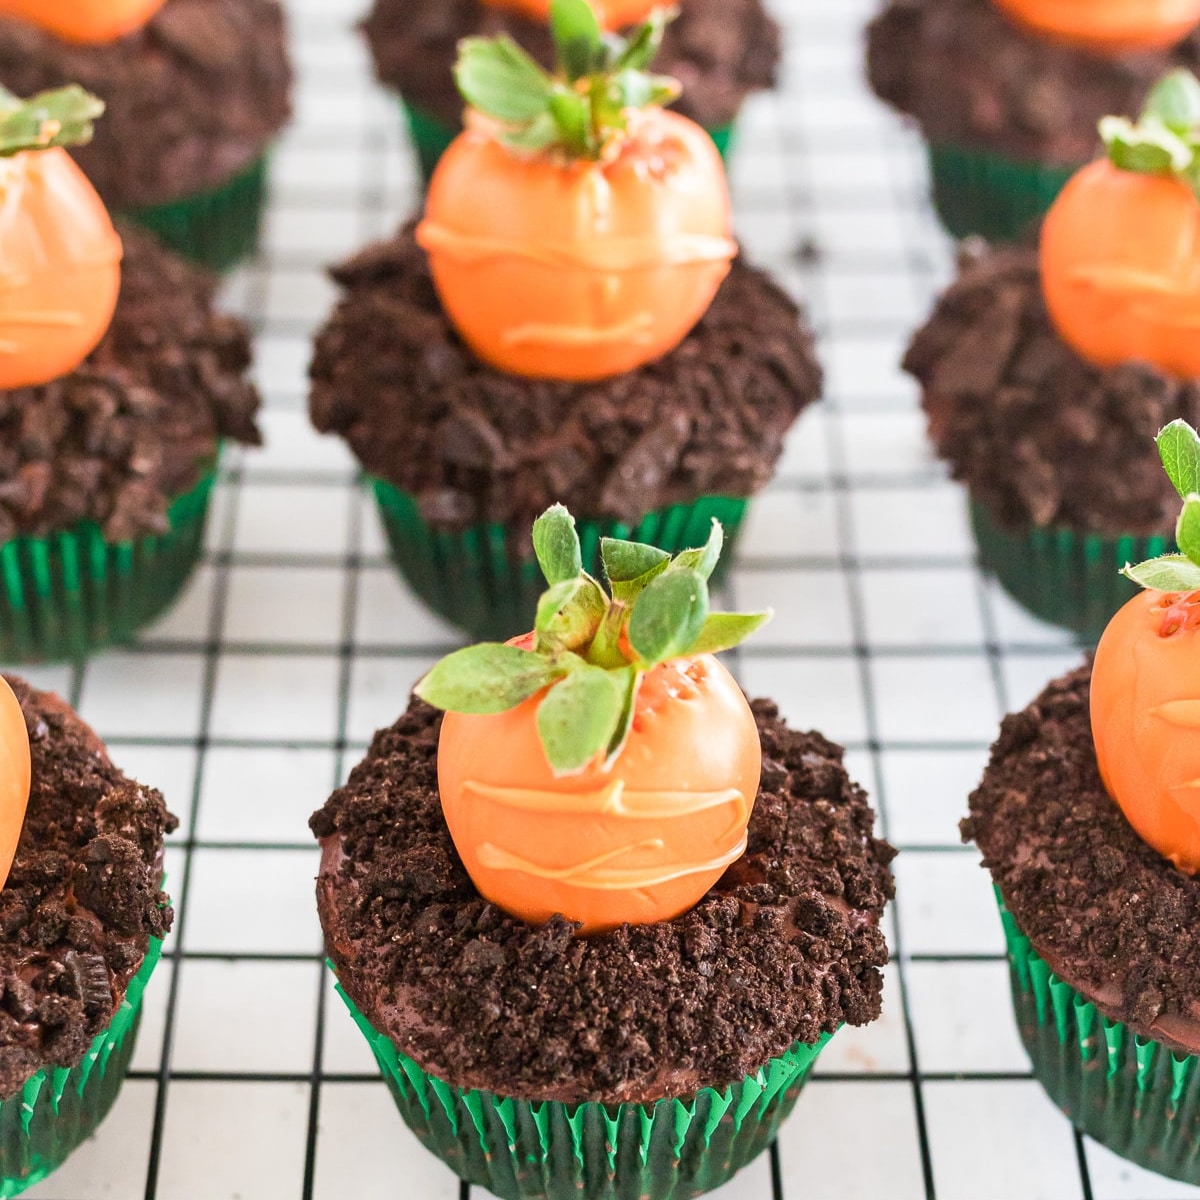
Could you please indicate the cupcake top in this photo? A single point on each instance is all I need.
(194, 96)
(82, 899)
(973, 77)
(720, 50)
(138, 422)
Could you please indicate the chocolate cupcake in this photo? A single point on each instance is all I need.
(1008, 103)
(589, 336)
(196, 90)
(111, 418)
(720, 50)
(1086, 819)
(607, 956)
(81, 926)
(1045, 376)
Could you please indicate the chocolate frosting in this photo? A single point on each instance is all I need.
(82, 900)
(972, 78)
(784, 947)
(720, 50)
(1109, 914)
(193, 98)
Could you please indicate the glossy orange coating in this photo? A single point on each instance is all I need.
(1146, 720)
(580, 270)
(60, 267)
(1120, 264)
(641, 841)
(15, 776)
(88, 22)
(613, 14)
(1108, 27)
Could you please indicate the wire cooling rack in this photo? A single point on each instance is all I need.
(251, 700)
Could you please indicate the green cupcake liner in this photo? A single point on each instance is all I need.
(478, 579)
(520, 1150)
(977, 192)
(431, 137)
(1130, 1093)
(216, 229)
(68, 594)
(1068, 579)
(59, 1107)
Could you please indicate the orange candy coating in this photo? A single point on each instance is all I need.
(60, 268)
(1146, 721)
(580, 270)
(84, 21)
(15, 776)
(613, 14)
(1107, 26)
(1120, 264)
(640, 842)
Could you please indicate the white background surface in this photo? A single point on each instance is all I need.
(250, 701)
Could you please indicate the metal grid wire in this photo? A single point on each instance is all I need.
(252, 699)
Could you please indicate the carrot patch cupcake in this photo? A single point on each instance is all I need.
(1087, 819)
(81, 926)
(1046, 373)
(720, 50)
(599, 918)
(196, 90)
(117, 384)
(1008, 92)
(589, 335)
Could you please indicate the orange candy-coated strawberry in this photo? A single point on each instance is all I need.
(59, 267)
(641, 841)
(1146, 720)
(613, 14)
(580, 270)
(84, 21)
(1120, 263)
(15, 775)
(1107, 26)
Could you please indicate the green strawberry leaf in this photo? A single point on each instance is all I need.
(642, 47)
(498, 78)
(629, 567)
(579, 716)
(723, 631)
(487, 678)
(703, 561)
(1175, 101)
(569, 615)
(1187, 531)
(556, 544)
(630, 679)
(573, 118)
(1179, 448)
(578, 38)
(668, 616)
(1146, 149)
(62, 117)
(1171, 573)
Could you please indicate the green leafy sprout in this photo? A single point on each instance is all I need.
(62, 117)
(583, 106)
(1179, 448)
(1166, 139)
(592, 646)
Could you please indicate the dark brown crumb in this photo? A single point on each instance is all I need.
(972, 78)
(786, 945)
(1041, 437)
(1112, 915)
(719, 50)
(138, 423)
(473, 444)
(83, 898)
(193, 98)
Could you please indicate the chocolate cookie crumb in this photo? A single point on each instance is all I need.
(784, 947)
(83, 898)
(474, 444)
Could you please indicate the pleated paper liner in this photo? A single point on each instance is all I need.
(59, 1108)
(68, 594)
(977, 192)
(217, 228)
(1131, 1094)
(671, 1150)
(479, 580)
(1063, 577)
(431, 137)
